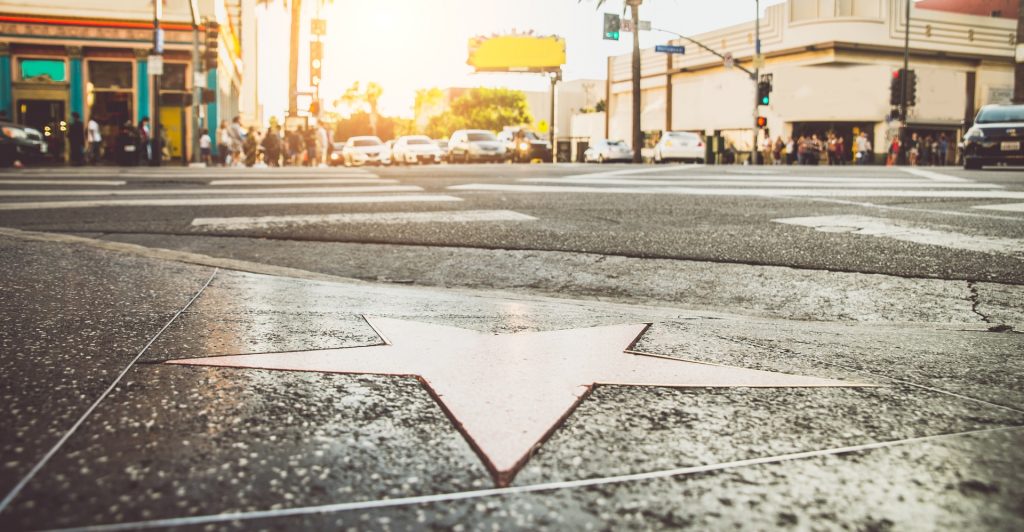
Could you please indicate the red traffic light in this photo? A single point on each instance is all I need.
(762, 121)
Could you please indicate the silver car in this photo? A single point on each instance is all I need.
(605, 151)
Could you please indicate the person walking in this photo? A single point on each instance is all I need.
(204, 147)
(272, 147)
(863, 147)
(94, 138)
(913, 149)
(323, 144)
(237, 139)
(943, 149)
(250, 147)
(223, 144)
(76, 140)
(779, 150)
(145, 148)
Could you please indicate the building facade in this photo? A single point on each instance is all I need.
(90, 57)
(831, 62)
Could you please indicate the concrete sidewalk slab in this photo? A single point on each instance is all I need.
(937, 438)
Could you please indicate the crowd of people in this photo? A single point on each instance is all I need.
(240, 146)
(812, 149)
(130, 145)
(920, 151)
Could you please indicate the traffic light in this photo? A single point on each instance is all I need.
(316, 61)
(314, 108)
(212, 38)
(764, 90)
(612, 25)
(208, 96)
(896, 87)
(911, 88)
(762, 122)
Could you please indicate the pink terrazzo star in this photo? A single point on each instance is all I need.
(508, 393)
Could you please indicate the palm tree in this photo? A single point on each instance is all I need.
(638, 137)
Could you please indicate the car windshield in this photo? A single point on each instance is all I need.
(442, 143)
(1001, 114)
(617, 143)
(477, 137)
(365, 142)
(417, 141)
(682, 136)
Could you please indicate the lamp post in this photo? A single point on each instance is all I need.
(757, 73)
(158, 45)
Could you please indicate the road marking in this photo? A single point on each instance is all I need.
(911, 209)
(302, 181)
(934, 176)
(62, 182)
(196, 202)
(260, 222)
(534, 189)
(703, 181)
(1008, 207)
(644, 170)
(881, 227)
(208, 191)
(736, 177)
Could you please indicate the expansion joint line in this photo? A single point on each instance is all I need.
(67, 435)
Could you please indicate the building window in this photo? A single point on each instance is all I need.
(110, 74)
(173, 78)
(43, 70)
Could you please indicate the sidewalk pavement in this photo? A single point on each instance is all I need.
(896, 426)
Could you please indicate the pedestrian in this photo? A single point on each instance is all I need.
(790, 151)
(127, 141)
(863, 147)
(311, 158)
(778, 151)
(250, 147)
(913, 149)
(323, 144)
(831, 146)
(894, 152)
(223, 144)
(943, 149)
(76, 140)
(293, 141)
(237, 139)
(95, 138)
(145, 148)
(272, 147)
(204, 147)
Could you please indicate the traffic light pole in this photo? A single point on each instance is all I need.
(154, 128)
(757, 72)
(196, 97)
(904, 80)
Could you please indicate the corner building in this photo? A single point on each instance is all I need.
(90, 57)
(832, 62)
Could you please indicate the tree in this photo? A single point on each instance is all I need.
(364, 100)
(428, 103)
(638, 136)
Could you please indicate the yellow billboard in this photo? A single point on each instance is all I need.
(517, 53)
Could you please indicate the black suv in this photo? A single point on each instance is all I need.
(997, 136)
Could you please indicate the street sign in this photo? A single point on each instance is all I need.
(670, 49)
(159, 43)
(759, 61)
(627, 25)
(728, 61)
(155, 65)
(199, 79)
(318, 27)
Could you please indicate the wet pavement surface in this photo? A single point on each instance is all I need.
(935, 442)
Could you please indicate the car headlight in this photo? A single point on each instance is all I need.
(334, 156)
(14, 133)
(974, 133)
(524, 146)
(668, 143)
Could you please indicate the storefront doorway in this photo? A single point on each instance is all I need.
(110, 94)
(48, 117)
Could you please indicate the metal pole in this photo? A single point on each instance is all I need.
(1018, 68)
(757, 72)
(903, 85)
(551, 122)
(196, 95)
(154, 132)
(638, 136)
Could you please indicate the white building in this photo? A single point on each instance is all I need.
(832, 62)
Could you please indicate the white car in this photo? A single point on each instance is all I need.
(604, 151)
(360, 151)
(475, 145)
(679, 146)
(415, 149)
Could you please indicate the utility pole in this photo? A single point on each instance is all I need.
(555, 76)
(1018, 69)
(158, 50)
(196, 76)
(757, 73)
(638, 136)
(293, 55)
(904, 80)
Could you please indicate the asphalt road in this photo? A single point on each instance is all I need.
(933, 224)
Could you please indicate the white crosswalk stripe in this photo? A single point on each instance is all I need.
(263, 222)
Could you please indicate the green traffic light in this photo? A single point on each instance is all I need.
(613, 35)
(764, 100)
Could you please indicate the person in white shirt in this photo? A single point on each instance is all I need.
(863, 148)
(204, 147)
(95, 138)
(322, 140)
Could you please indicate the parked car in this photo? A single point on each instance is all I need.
(997, 137)
(475, 145)
(39, 148)
(524, 146)
(604, 151)
(335, 158)
(364, 150)
(442, 144)
(15, 144)
(415, 149)
(679, 146)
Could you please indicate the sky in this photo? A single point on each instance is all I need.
(405, 45)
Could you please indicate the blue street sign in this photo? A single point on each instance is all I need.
(668, 49)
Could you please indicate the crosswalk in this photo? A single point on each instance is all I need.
(334, 190)
(911, 183)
